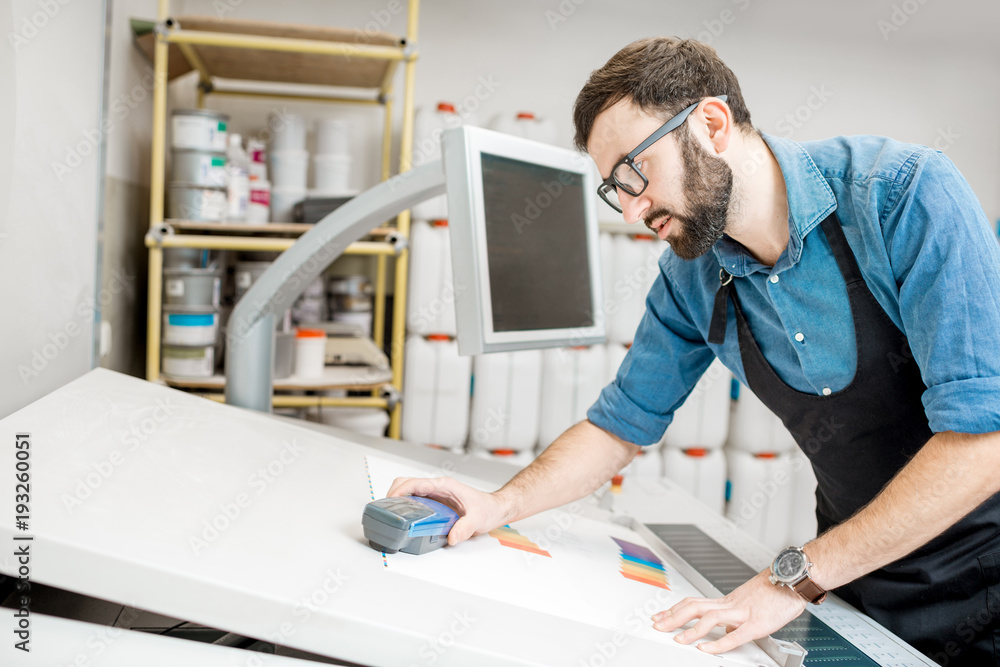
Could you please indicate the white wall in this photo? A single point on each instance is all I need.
(932, 75)
(51, 72)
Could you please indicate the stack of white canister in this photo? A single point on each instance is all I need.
(191, 297)
(332, 159)
(289, 162)
(772, 485)
(436, 380)
(198, 139)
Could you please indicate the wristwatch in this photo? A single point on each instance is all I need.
(791, 568)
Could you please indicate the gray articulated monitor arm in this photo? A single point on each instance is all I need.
(250, 333)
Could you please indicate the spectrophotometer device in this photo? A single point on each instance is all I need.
(410, 524)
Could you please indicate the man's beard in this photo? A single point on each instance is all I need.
(708, 186)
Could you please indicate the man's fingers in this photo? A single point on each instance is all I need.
(461, 531)
(737, 637)
(684, 611)
(724, 616)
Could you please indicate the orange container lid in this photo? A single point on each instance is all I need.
(446, 106)
(439, 223)
(766, 455)
(504, 452)
(526, 115)
(438, 337)
(310, 333)
(642, 237)
(697, 452)
(617, 480)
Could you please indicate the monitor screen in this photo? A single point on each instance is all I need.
(524, 243)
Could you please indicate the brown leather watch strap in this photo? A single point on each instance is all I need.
(810, 590)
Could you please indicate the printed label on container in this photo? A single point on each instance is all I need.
(260, 197)
(175, 287)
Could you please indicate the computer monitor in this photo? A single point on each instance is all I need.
(524, 243)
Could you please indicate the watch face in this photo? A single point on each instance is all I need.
(789, 565)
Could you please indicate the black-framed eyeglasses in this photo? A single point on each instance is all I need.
(626, 175)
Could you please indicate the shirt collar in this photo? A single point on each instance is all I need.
(810, 201)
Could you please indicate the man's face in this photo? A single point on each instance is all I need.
(688, 199)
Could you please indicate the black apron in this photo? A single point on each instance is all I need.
(944, 598)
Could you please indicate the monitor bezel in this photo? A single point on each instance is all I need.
(462, 148)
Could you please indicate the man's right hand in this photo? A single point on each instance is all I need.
(481, 512)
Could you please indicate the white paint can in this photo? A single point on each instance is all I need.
(187, 201)
(189, 361)
(199, 129)
(199, 167)
(190, 325)
(192, 287)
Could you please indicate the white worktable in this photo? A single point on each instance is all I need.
(128, 478)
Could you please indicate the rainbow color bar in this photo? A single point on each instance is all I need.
(509, 537)
(640, 564)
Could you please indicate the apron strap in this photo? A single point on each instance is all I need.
(717, 329)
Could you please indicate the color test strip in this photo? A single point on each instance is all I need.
(509, 537)
(640, 564)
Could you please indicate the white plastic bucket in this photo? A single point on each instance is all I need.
(756, 429)
(615, 353)
(186, 201)
(430, 307)
(190, 326)
(435, 392)
(332, 136)
(331, 175)
(199, 167)
(506, 393)
(700, 472)
(703, 419)
(247, 274)
(283, 201)
(760, 500)
(289, 169)
(192, 287)
(572, 379)
(509, 456)
(199, 129)
(188, 361)
(288, 132)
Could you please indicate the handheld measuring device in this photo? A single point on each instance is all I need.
(411, 524)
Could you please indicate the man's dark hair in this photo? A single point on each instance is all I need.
(662, 76)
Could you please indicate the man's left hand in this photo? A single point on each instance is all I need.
(754, 610)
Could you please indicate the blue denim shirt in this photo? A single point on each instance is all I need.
(927, 253)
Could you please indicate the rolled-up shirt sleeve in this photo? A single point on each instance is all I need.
(946, 261)
(663, 365)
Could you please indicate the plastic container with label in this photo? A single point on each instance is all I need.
(436, 385)
(259, 208)
(310, 352)
(186, 201)
(199, 167)
(192, 287)
(188, 361)
(190, 325)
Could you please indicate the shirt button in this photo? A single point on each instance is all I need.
(774, 278)
(826, 391)
(800, 337)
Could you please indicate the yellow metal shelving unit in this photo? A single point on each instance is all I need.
(236, 50)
